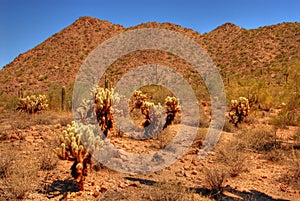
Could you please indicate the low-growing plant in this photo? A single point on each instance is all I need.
(47, 160)
(215, 178)
(239, 110)
(170, 192)
(32, 104)
(258, 139)
(233, 159)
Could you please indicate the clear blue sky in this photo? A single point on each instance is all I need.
(26, 23)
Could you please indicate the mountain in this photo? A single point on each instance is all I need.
(236, 52)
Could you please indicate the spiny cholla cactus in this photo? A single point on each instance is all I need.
(155, 119)
(172, 108)
(239, 110)
(138, 99)
(33, 103)
(145, 109)
(72, 148)
(103, 102)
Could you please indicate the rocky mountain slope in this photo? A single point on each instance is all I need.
(236, 51)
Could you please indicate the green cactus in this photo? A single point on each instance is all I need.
(32, 104)
(239, 110)
(72, 148)
(172, 108)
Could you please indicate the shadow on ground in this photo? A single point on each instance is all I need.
(229, 193)
(60, 187)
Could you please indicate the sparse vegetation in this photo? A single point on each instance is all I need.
(32, 104)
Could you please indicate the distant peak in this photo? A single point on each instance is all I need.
(228, 26)
(90, 20)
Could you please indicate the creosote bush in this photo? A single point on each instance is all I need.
(32, 104)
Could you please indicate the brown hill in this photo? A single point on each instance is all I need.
(235, 50)
(56, 60)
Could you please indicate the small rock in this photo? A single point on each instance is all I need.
(194, 172)
(102, 189)
(36, 148)
(96, 193)
(135, 184)
(196, 163)
(264, 176)
(14, 136)
(186, 174)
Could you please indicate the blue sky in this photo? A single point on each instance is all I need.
(26, 23)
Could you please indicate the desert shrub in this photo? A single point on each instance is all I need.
(47, 160)
(32, 104)
(228, 127)
(215, 178)
(170, 192)
(8, 157)
(19, 174)
(258, 139)
(290, 113)
(292, 176)
(22, 179)
(239, 110)
(233, 159)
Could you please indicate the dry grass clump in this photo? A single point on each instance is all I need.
(169, 192)
(47, 160)
(215, 178)
(233, 159)
(19, 174)
(258, 139)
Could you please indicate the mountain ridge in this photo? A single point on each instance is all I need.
(233, 49)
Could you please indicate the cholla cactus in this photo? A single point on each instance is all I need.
(103, 102)
(145, 109)
(72, 148)
(172, 108)
(138, 100)
(155, 115)
(33, 103)
(239, 110)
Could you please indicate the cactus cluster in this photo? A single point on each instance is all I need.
(239, 110)
(149, 109)
(138, 99)
(72, 148)
(33, 103)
